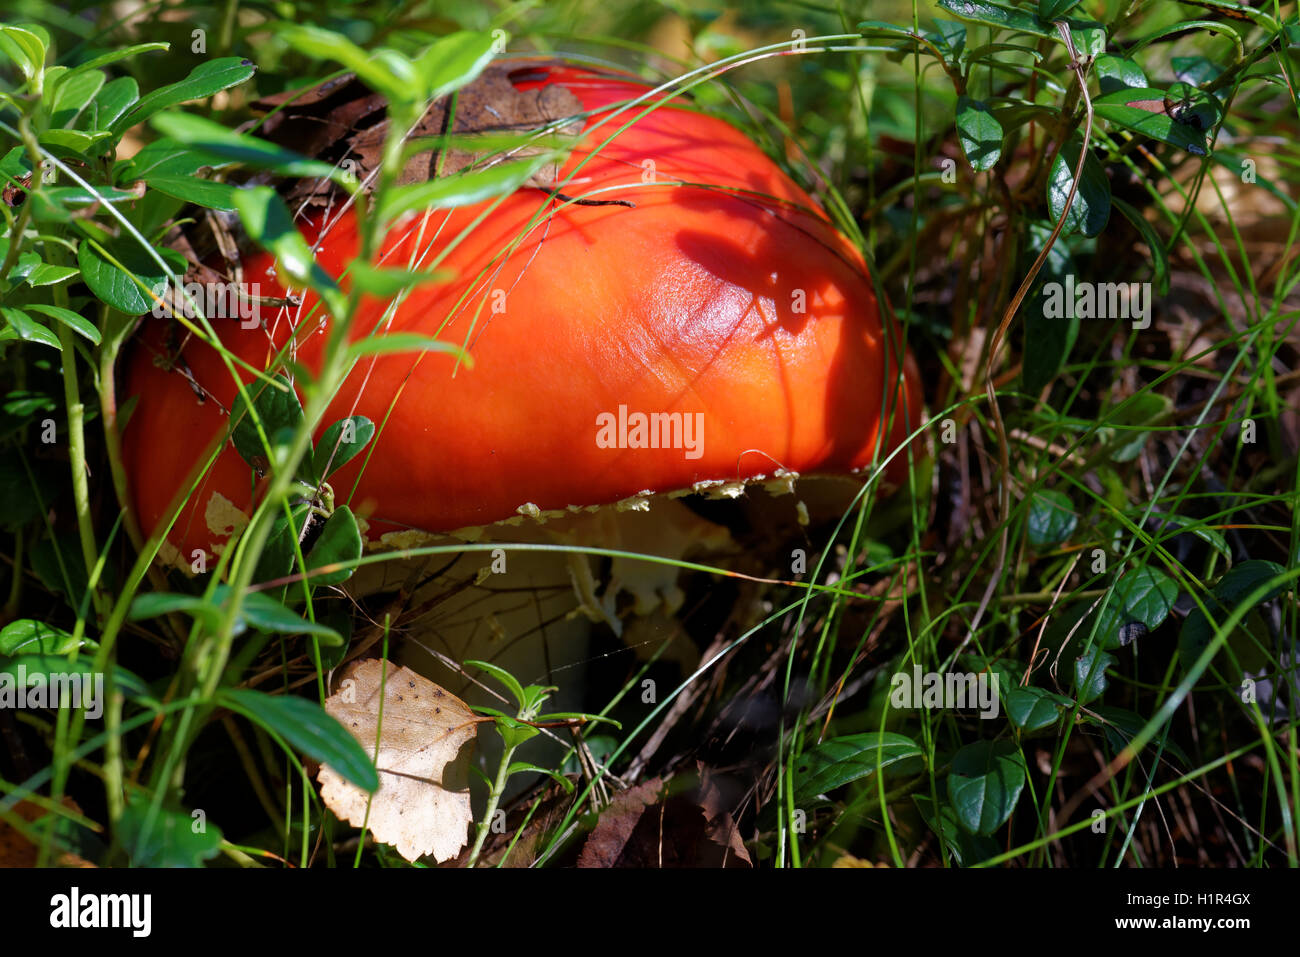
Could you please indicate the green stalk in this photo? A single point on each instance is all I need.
(77, 455)
(494, 798)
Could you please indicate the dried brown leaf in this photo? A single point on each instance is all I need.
(722, 828)
(344, 122)
(17, 851)
(422, 805)
(646, 826)
(608, 841)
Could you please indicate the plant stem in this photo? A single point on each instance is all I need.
(77, 453)
(498, 788)
(115, 327)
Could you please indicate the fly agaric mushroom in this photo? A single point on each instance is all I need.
(714, 333)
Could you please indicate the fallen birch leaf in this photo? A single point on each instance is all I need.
(422, 805)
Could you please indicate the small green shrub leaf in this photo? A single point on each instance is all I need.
(278, 410)
(1051, 517)
(1090, 673)
(1032, 709)
(120, 285)
(1228, 592)
(306, 726)
(339, 544)
(1091, 209)
(839, 761)
(28, 637)
(204, 80)
(984, 784)
(167, 839)
(979, 132)
(341, 441)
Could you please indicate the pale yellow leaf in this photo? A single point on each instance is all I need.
(422, 805)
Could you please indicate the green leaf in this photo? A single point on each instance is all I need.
(34, 670)
(1228, 592)
(838, 761)
(341, 441)
(966, 849)
(997, 15)
(74, 321)
(204, 80)
(462, 189)
(47, 275)
(1129, 425)
(214, 144)
(203, 192)
(27, 263)
(1051, 518)
(339, 543)
(270, 224)
(24, 48)
(73, 94)
(452, 62)
(514, 733)
(503, 676)
(985, 783)
(1145, 595)
(1089, 37)
(264, 613)
(257, 610)
(386, 283)
(28, 637)
(278, 410)
(113, 100)
(1049, 10)
(113, 56)
(331, 656)
(407, 342)
(1090, 673)
(1091, 208)
(384, 71)
(1114, 108)
(950, 37)
(116, 286)
(155, 604)
(77, 196)
(1117, 73)
(74, 141)
(520, 767)
(1032, 708)
(980, 133)
(1195, 70)
(24, 327)
(168, 158)
(279, 556)
(174, 839)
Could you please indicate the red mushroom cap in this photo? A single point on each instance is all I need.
(689, 303)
